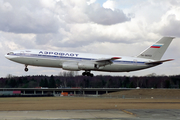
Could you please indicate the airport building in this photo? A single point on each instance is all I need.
(59, 91)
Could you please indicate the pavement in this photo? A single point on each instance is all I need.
(64, 114)
(128, 114)
(156, 114)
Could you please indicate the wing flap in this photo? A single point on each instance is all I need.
(107, 59)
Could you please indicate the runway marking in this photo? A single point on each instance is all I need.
(130, 113)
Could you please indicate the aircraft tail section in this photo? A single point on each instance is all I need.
(157, 50)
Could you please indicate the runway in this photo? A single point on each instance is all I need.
(129, 114)
(64, 114)
(156, 114)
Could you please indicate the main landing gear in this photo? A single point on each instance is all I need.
(26, 69)
(87, 73)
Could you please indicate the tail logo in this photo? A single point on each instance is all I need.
(156, 46)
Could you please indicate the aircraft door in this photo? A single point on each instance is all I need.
(135, 62)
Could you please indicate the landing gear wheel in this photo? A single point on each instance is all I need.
(87, 74)
(84, 73)
(26, 69)
(91, 75)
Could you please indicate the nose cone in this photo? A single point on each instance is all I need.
(7, 56)
(10, 55)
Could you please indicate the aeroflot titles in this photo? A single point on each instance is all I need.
(60, 54)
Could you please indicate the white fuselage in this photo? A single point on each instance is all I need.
(78, 61)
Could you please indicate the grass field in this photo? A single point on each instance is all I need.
(147, 93)
(83, 103)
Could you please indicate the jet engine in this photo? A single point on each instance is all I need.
(70, 66)
(87, 66)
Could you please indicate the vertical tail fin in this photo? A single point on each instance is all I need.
(157, 50)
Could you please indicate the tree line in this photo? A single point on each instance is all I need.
(71, 80)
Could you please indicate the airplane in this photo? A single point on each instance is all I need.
(75, 61)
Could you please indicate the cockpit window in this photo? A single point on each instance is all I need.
(11, 53)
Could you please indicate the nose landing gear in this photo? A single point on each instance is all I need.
(87, 73)
(26, 69)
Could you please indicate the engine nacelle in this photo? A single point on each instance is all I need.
(70, 66)
(87, 66)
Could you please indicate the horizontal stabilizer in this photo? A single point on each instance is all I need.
(159, 62)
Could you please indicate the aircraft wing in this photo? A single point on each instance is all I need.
(159, 62)
(107, 59)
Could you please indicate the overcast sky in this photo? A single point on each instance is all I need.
(114, 27)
